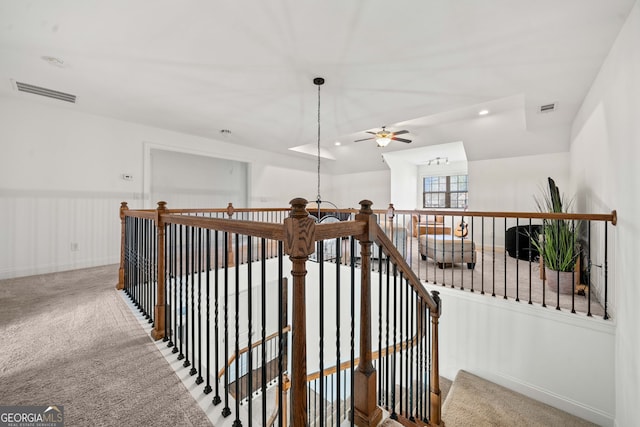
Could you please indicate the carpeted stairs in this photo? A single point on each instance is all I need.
(471, 401)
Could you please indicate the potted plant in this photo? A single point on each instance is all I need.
(557, 244)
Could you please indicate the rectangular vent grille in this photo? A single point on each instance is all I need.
(49, 93)
(548, 108)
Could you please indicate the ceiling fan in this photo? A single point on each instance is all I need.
(384, 137)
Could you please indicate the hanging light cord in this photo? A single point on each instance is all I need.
(316, 81)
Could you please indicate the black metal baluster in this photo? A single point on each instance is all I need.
(482, 260)
(411, 358)
(353, 327)
(320, 251)
(543, 273)
(424, 371)
(505, 260)
(207, 387)
(176, 278)
(250, 327)
(281, 343)
(462, 230)
(226, 411)
(387, 357)
(337, 302)
(237, 422)
(181, 331)
(154, 274)
(199, 379)
(401, 341)
(136, 275)
(473, 252)
(168, 279)
(573, 270)
(558, 272)
(188, 275)
(216, 318)
(145, 269)
(493, 246)
(192, 371)
(517, 259)
(606, 270)
(380, 373)
(530, 259)
(589, 264)
(392, 384)
(263, 312)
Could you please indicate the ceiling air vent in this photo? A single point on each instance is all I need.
(548, 108)
(49, 93)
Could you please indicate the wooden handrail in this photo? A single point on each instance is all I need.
(249, 228)
(254, 345)
(141, 213)
(611, 217)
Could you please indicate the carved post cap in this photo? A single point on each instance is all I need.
(298, 208)
(123, 205)
(162, 205)
(391, 211)
(230, 210)
(365, 207)
(438, 301)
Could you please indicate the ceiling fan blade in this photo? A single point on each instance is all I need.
(401, 132)
(401, 140)
(366, 139)
(372, 133)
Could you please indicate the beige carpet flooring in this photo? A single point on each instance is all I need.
(69, 339)
(475, 402)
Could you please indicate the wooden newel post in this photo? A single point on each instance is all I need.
(435, 397)
(123, 208)
(159, 314)
(367, 412)
(299, 243)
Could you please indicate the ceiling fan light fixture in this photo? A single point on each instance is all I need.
(383, 141)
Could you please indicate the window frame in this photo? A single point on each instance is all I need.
(449, 195)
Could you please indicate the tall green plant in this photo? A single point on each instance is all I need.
(558, 246)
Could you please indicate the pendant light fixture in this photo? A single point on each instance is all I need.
(319, 81)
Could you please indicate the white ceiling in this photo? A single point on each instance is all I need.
(426, 66)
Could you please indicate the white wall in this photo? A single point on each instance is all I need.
(188, 180)
(559, 358)
(605, 149)
(61, 182)
(404, 181)
(350, 189)
(510, 184)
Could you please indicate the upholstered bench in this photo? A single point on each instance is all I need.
(447, 249)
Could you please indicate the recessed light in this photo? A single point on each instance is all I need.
(337, 143)
(483, 112)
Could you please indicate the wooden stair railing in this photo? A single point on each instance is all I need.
(298, 234)
(433, 303)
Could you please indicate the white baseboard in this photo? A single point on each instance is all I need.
(10, 273)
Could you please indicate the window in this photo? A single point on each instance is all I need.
(445, 191)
